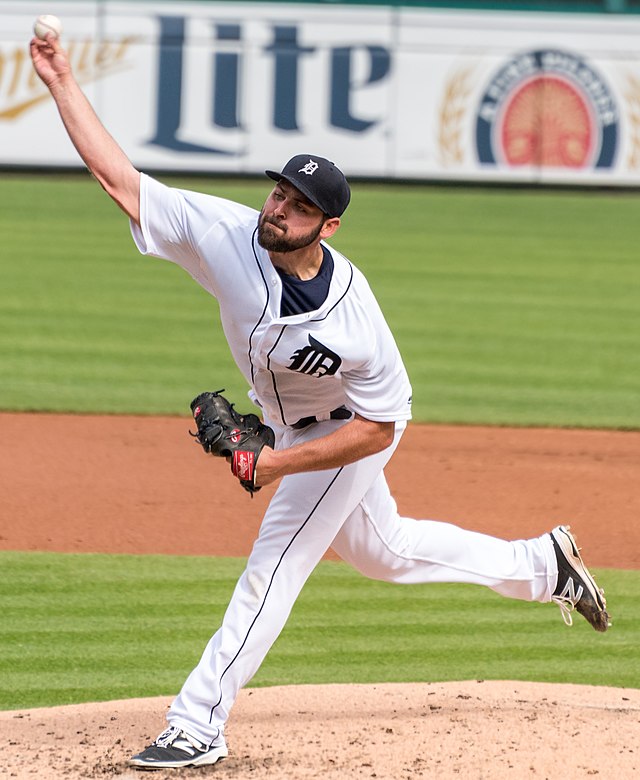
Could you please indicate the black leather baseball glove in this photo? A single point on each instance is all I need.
(223, 432)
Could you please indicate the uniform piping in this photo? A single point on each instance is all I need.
(275, 571)
(266, 303)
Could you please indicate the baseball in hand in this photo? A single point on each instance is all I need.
(47, 23)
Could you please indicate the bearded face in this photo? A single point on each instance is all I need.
(274, 235)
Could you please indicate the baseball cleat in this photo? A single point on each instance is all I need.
(576, 588)
(175, 748)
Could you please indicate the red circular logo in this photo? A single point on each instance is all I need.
(546, 122)
(547, 110)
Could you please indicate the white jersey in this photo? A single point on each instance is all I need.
(342, 354)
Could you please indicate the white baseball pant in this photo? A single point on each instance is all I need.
(351, 510)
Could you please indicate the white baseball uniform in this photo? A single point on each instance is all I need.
(303, 366)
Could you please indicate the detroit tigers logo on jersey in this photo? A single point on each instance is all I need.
(315, 360)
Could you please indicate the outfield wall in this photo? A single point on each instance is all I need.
(407, 93)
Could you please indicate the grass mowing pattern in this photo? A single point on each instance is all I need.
(98, 627)
(509, 306)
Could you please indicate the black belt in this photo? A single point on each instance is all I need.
(341, 413)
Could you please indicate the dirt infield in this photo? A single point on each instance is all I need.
(475, 730)
(140, 485)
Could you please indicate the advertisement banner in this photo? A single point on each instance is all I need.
(386, 92)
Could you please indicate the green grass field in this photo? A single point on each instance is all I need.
(509, 306)
(98, 627)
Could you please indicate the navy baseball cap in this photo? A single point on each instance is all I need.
(318, 179)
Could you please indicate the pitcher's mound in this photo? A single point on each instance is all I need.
(474, 730)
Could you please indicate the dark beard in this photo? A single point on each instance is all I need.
(280, 243)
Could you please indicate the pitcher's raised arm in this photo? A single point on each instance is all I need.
(99, 151)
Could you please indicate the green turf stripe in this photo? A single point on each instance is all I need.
(98, 627)
(509, 306)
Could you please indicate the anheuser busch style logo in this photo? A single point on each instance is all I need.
(547, 108)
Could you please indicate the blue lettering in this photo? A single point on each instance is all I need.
(342, 84)
(287, 52)
(226, 87)
(225, 90)
(170, 89)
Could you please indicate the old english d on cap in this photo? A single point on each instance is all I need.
(318, 179)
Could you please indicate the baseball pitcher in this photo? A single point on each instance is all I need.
(331, 401)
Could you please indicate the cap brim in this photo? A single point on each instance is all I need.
(276, 176)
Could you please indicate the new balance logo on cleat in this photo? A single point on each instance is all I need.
(568, 593)
(576, 588)
(175, 748)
